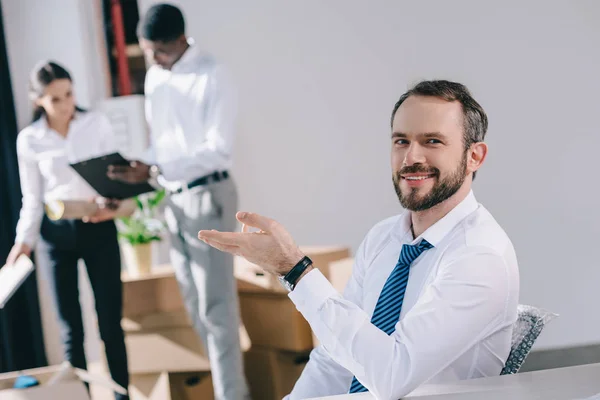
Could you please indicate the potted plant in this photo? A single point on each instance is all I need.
(138, 231)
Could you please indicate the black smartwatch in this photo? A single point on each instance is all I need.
(290, 279)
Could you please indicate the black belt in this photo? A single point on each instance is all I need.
(205, 180)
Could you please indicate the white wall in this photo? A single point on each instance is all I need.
(318, 81)
(68, 32)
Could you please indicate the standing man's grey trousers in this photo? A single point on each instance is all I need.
(205, 277)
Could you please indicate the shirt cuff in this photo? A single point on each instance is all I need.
(162, 183)
(29, 240)
(312, 292)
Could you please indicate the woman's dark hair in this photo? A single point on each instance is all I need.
(42, 75)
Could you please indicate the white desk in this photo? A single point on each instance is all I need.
(572, 383)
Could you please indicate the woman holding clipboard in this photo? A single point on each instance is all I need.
(60, 134)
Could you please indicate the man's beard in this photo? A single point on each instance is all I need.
(442, 189)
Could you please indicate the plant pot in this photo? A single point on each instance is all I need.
(138, 258)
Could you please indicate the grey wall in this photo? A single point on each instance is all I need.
(318, 80)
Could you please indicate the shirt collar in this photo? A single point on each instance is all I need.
(440, 229)
(190, 53)
(46, 128)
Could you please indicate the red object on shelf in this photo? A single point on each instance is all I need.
(119, 36)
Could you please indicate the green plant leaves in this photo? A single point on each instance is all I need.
(153, 202)
(143, 227)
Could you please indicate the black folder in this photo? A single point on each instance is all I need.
(94, 172)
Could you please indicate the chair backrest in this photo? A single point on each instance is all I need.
(527, 328)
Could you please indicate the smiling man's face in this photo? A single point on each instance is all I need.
(429, 160)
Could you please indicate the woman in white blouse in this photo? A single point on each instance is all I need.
(60, 134)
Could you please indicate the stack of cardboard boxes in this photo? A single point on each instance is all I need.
(281, 338)
(167, 359)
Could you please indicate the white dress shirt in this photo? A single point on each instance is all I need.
(456, 320)
(44, 157)
(190, 110)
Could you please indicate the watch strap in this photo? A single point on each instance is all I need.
(295, 273)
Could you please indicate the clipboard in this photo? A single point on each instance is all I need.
(94, 172)
(12, 277)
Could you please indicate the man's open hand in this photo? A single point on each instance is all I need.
(271, 248)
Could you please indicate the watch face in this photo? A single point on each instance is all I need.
(285, 283)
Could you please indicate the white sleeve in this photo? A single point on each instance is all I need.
(323, 376)
(109, 138)
(466, 302)
(149, 155)
(32, 187)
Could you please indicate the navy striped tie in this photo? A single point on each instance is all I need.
(389, 304)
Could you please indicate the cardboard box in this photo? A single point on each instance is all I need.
(174, 349)
(272, 374)
(55, 382)
(252, 279)
(171, 349)
(158, 292)
(172, 386)
(150, 294)
(340, 272)
(158, 386)
(272, 321)
(150, 322)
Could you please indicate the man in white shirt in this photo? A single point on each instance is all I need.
(190, 109)
(434, 291)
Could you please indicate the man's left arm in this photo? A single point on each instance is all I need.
(219, 128)
(473, 295)
(467, 302)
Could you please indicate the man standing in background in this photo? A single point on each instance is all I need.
(190, 109)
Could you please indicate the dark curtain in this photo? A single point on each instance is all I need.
(21, 338)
